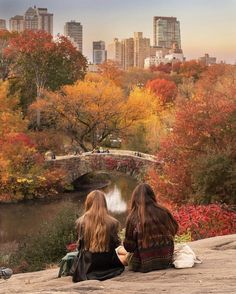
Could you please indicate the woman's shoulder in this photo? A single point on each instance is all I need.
(163, 209)
(113, 221)
(79, 221)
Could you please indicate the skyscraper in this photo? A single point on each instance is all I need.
(3, 24)
(74, 31)
(45, 20)
(38, 19)
(166, 32)
(16, 23)
(99, 52)
(141, 49)
(114, 52)
(134, 51)
(128, 53)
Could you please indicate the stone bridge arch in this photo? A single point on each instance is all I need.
(127, 162)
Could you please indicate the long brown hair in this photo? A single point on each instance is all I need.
(153, 220)
(97, 223)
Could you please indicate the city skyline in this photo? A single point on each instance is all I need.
(205, 27)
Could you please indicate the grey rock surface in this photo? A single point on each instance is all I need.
(217, 274)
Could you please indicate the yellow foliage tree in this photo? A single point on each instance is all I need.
(149, 120)
(86, 112)
(10, 114)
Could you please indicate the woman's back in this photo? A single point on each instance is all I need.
(97, 240)
(98, 237)
(150, 230)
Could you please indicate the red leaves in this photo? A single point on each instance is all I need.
(204, 125)
(15, 138)
(48, 63)
(30, 42)
(204, 221)
(165, 90)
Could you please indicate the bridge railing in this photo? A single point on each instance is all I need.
(114, 152)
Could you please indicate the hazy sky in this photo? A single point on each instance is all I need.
(206, 25)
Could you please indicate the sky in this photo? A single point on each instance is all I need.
(207, 26)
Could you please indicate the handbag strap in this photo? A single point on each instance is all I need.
(80, 237)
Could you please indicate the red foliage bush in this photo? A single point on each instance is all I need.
(71, 247)
(204, 221)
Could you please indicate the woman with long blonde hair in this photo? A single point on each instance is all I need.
(97, 241)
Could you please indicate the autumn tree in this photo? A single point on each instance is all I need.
(199, 154)
(192, 69)
(162, 67)
(45, 63)
(22, 170)
(136, 77)
(5, 37)
(143, 115)
(110, 70)
(10, 114)
(91, 110)
(86, 112)
(165, 90)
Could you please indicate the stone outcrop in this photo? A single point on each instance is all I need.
(217, 274)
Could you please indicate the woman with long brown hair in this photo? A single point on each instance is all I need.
(150, 231)
(97, 241)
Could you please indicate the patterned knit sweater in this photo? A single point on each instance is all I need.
(159, 253)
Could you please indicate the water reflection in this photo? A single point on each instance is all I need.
(19, 220)
(115, 203)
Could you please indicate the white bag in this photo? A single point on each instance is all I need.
(184, 257)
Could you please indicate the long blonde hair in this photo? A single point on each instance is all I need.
(97, 223)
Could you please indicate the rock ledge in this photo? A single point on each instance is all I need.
(217, 274)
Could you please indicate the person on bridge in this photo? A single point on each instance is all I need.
(97, 240)
(150, 231)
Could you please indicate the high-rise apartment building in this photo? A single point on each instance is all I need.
(45, 20)
(3, 24)
(17, 23)
(166, 32)
(114, 52)
(134, 51)
(38, 19)
(31, 21)
(74, 31)
(128, 53)
(141, 49)
(99, 52)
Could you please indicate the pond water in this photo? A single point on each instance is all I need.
(22, 219)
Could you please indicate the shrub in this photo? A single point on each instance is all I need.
(48, 245)
(204, 221)
(214, 178)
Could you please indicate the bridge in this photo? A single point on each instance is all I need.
(132, 163)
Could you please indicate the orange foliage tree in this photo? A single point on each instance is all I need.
(199, 159)
(92, 110)
(165, 90)
(110, 70)
(22, 171)
(191, 69)
(87, 112)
